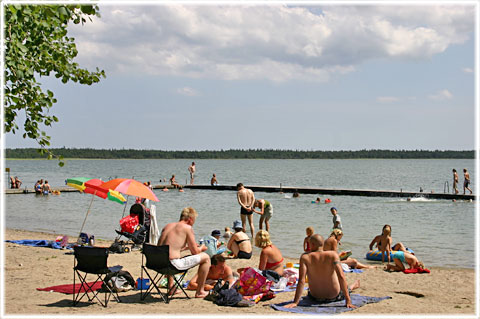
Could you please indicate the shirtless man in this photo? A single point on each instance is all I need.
(466, 182)
(246, 199)
(214, 181)
(46, 188)
(455, 181)
(179, 236)
(218, 270)
(191, 170)
(332, 243)
(326, 280)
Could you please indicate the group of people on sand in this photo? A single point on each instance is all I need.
(466, 181)
(320, 262)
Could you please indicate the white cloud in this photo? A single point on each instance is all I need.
(441, 95)
(276, 43)
(387, 99)
(467, 70)
(187, 91)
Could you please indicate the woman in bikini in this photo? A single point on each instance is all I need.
(239, 243)
(384, 243)
(270, 258)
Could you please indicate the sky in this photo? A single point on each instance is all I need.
(284, 76)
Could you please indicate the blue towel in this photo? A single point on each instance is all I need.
(38, 243)
(309, 306)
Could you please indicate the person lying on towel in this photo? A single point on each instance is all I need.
(401, 257)
(326, 279)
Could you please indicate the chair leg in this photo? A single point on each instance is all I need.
(154, 284)
(178, 283)
(89, 289)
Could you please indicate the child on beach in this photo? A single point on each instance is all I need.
(306, 241)
(228, 233)
(337, 222)
(401, 257)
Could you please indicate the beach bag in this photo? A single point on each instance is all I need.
(129, 223)
(119, 281)
(228, 297)
(252, 283)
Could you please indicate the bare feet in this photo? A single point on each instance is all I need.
(355, 285)
(201, 294)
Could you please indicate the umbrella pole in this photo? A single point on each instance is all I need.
(125, 207)
(88, 212)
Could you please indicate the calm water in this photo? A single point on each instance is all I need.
(441, 232)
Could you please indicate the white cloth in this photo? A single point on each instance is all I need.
(154, 231)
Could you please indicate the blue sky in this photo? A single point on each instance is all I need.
(331, 77)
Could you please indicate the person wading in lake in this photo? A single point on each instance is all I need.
(246, 199)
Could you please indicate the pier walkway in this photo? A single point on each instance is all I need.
(301, 190)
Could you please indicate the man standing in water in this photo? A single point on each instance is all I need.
(455, 181)
(246, 199)
(191, 170)
(179, 235)
(466, 182)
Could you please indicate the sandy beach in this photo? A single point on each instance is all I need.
(444, 291)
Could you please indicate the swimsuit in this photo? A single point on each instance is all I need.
(244, 255)
(243, 211)
(466, 183)
(240, 241)
(271, 265)
(339, 297)
(399, 255)
(186, 262)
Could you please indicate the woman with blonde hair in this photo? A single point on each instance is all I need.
(384, 243)
(270, 258)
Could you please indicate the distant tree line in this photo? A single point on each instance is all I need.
(90, 153)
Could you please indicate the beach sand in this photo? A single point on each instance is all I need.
(443, 291)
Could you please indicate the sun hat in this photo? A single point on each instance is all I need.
(237, 224)
(216, 232)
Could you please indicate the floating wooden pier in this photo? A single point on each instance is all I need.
(301, 190)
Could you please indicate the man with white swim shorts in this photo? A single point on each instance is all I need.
(179, 236)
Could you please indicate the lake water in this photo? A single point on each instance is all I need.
(441, 232)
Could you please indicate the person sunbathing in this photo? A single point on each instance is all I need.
(326, 280)
(218, 270)
(270, 258)
(384, 243)
(401, 257)
(332, 243)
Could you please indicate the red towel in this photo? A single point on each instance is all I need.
(68, 288)
(416, 271)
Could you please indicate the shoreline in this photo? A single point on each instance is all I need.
(445, 291)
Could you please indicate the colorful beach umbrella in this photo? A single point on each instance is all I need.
(87, 185)
(127, 186)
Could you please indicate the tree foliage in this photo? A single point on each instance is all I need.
(36, 45)
(241, 154)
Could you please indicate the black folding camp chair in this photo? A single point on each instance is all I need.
(157, 260)
(91, 260)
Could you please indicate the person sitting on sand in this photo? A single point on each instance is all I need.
(326, 280)
(239, 243)
(331, 244)
(179, 235)
(270, 258)
(384, 242)
(306, 241)
(218, 270)
(173, 182)
(400, 257)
